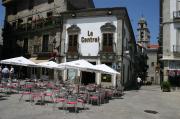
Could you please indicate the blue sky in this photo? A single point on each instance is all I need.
(136, 8)
(1, 14)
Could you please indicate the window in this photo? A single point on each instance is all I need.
(25, 46)
(107, 42)
(45, 43)
(73, 32)
(142, 35)
(73, 40)
(49, 14)
(36, 48)
(152, 78)
(107, 39)
(50, 1)
(152, 64)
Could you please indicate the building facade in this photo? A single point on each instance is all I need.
(35, 25)
(143, 42)
(66, 30)
(153, 69)
(33, 28)
(169, 40)
(100, 36)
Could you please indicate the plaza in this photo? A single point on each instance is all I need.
(133, 104)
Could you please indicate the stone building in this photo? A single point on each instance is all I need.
(102, 35)
(150, 74)
(33, 27)
(169, 40)
(153, 70)
(66, 30)
(142, 43)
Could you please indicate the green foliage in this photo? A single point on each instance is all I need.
(165, 86)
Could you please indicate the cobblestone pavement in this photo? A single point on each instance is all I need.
(160, 105)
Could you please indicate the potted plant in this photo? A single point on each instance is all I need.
(165, 86)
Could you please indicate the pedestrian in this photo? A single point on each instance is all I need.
(5, 72)
(139, 81)
(0, 73)
(12, 72)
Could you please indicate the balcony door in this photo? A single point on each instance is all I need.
(45, 43)
(108, 42)
(73, 39)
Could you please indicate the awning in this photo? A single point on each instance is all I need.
(35, 60)
(170, 58)
(22, 61)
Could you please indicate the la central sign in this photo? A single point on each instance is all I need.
(90, 38)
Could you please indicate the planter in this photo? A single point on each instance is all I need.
(166, 86)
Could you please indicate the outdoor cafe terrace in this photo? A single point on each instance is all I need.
(62, 95)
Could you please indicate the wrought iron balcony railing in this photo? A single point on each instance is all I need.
(38, 25)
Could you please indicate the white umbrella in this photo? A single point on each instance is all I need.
(82, 65)
(21, 61)
(49, 64)
(106, 69)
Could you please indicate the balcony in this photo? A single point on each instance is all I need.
(176, 49)
(176, 15)
(107, 54)
(38, 25)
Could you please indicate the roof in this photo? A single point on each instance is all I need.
(153, 46)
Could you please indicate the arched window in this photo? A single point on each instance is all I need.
(108, 30)
(73, 32)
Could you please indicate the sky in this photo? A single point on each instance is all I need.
(2, 12)
(149, 9)
(136, 9)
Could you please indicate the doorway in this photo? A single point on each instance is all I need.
(88, 77)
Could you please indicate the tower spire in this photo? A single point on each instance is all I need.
(143, 32)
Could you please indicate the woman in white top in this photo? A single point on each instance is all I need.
(12, 72)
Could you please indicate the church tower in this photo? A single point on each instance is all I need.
(143, 33)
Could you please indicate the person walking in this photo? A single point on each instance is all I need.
(0, 73)
(139, 82)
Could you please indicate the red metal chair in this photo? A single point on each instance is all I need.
(60, 97)
(37, 96)
(27, 90)
(49, 93)
(72, 100)
(95, 96)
